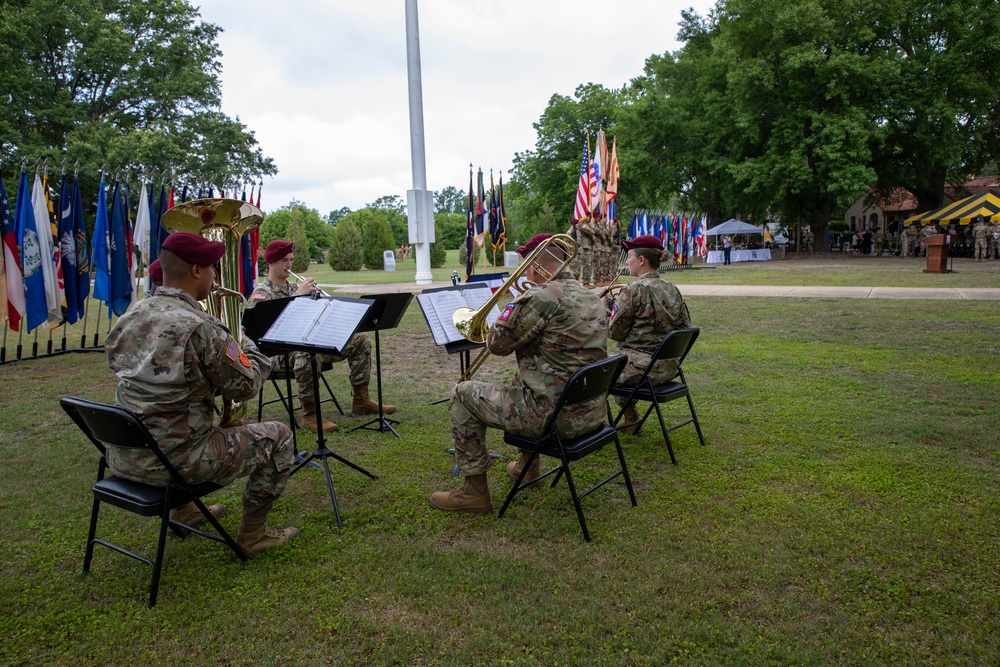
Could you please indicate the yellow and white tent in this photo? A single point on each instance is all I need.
(962, 212)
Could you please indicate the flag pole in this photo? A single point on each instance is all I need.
(3, 350)
(20, 337)
(97, 326)
(34, 346)
(83, 336)
(420, 208)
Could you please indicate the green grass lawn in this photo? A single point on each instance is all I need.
(844, 511)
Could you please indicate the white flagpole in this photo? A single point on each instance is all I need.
(420, 205)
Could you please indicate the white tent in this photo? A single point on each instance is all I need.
(734, 226)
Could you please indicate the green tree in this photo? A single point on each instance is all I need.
(335, 216)
(451, 200)
(120, 82)
(450, 229)
(277, 225)
(439, 253)
(300, 260)
(392, 210)
(376, 235)
(938, 108)
(346, 248)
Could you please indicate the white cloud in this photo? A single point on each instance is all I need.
(322, 83)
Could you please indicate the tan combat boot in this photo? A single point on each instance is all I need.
(472, 496)
(255, 536)
(629, 421)
(190, 515)
(514, 469)
(309, 418)
(364, 405)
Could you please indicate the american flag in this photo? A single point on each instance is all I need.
(582, 209)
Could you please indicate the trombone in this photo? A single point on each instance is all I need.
(612, 288)
(473, 324)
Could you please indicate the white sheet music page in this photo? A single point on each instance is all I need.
(433, 318)
(338, 323)
(476, 297)
(295, 321)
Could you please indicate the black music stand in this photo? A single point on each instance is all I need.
(256, 322)
(463, 349)
(322, 452)
(386, 313)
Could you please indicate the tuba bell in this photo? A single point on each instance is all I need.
(225, 220)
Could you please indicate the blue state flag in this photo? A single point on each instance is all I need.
(121, 274)
(101, 256)
(67, 247)
(82, 254)
(37, 309)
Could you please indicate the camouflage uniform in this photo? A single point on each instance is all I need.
(554, 329)
(904, 242)
(926, 233)
(605, 252)
(994, 238)
(980, 234)
(171, 358)
(358, 351)
(879, 242)
(645, 311)
(586, 235)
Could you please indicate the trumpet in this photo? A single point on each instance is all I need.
(472, 324)
(322, 292)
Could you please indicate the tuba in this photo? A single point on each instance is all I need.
(472, 324)
(225, 220)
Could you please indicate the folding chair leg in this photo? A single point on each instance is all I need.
(628, 478)
(666, 433)
(154, 586)
(576, 500)
(91, 534)
(517, 485)
(694, 416)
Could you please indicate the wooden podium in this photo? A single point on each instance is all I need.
(937, 253)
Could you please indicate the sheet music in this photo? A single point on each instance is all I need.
(337, 324)
(439, 307)
(295, 321)
(433, 319)
(325, 323)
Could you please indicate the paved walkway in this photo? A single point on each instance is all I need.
(947, 293)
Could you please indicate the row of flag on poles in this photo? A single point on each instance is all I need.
(487, 221)
(598, 186)
(683, 234)
(46, 264)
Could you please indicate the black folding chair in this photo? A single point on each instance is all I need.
(277, 376)
(112, 426)
(675, 344)
(590, 382)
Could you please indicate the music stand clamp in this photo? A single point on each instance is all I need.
(385, 313)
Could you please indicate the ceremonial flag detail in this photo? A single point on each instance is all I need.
(101, 254)
(470, 246)
(482, 214)
(82, 256)
(56, 249)
(613, 173)
(14, 282)
(582, 209)
(67, 247)
(143, 228)
(35, 306)
(121, 271)
(500, 237)
(43, 228)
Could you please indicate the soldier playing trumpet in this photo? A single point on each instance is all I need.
(357, 352)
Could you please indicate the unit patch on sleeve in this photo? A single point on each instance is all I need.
(614, 311)
(233, 349)
(505, 315)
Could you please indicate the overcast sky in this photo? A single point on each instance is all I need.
(322, 83)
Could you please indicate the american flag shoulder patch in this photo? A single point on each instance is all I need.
(233, 349)
(614, 311)
(505, 315)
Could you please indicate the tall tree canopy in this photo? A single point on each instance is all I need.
(120, 82)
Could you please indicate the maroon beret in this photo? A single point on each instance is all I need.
(195, 249)
(156, 271)
(526, 249)
(645, 241)
(276, 250)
